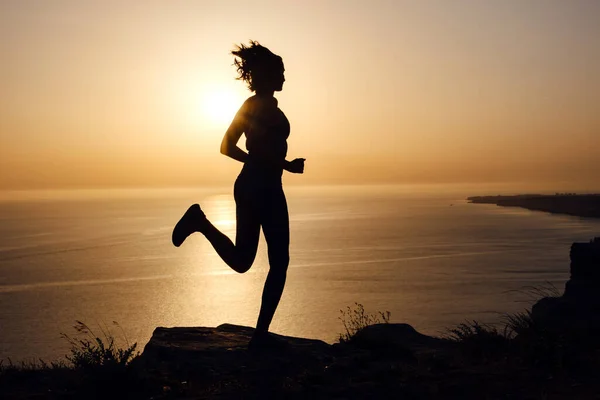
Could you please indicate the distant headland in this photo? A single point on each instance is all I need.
(580, 205)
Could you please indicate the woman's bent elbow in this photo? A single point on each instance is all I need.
(224, 149)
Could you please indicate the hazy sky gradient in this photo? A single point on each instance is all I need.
(113, 94)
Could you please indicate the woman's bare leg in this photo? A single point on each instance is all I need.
(276, 227)
(238, 256)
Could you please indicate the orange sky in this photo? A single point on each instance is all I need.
(117, 94)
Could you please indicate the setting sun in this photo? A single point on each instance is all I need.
(219, 105)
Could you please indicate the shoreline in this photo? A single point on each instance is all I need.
(578, 205)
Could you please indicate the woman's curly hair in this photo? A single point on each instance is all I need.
(254, 63)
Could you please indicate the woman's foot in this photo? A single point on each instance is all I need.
(266, 341)
(191, 222)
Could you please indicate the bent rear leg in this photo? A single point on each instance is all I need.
(240, 256)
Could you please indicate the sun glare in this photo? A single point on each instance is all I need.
(219, 106)
(207, 107)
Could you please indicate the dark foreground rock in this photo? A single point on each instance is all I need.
(218, 361)
(578, 308)
(381, 361)
(219, 358)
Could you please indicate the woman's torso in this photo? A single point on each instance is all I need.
(267, 130)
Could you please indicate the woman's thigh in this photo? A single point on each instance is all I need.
(247, 222)
(276, 226)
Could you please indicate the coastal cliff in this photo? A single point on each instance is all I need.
(579, 306)
(581, 205)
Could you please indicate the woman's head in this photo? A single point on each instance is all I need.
(259, 67)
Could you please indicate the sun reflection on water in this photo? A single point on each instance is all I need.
(220, 210)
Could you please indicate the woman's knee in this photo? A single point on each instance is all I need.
(243, 264)
(244, 259)
(277, 274)
(279, 261)
(279, 265)
(242, 268)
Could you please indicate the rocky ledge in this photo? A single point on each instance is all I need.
(218, 361)
(381, 361)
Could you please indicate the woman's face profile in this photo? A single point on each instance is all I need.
(271, 77)
(279, 78)
(275, 75)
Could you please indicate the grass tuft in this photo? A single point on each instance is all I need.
(480, 341)
(356, 319)
(534, 293)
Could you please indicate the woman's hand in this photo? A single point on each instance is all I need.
(296, 166)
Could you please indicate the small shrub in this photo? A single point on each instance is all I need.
(355, 319)
(473, 330)
(92, 352)
(480, 341)
(97, 367)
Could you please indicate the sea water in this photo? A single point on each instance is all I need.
(421, 252)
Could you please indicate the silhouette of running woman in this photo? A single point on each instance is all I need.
(258, 190)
